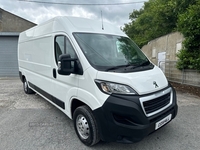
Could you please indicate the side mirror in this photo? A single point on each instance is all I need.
(65, 66)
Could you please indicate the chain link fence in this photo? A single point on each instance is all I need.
(188, 77)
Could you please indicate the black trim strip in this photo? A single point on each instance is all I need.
(48, 96)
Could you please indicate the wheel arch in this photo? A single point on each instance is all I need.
(21, 76)
(75, 103)
(86, 126)
(83, 98)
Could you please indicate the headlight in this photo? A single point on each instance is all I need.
(109, 87)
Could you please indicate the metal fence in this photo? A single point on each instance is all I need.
(189, 77)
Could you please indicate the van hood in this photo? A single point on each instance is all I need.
(142, 82)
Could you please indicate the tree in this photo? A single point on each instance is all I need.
(156, 18)
(189, 25)
(160, 17)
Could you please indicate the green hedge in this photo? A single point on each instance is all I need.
(189, 25)
(188, 60)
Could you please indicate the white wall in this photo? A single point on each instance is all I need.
(170, 43)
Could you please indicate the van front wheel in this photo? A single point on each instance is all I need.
(85, 125)
(27, 90)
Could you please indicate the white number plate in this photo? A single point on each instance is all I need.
(163, 121)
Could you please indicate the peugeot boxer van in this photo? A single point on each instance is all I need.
(98, 77)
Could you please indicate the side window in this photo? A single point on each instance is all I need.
(63, 46)
(70, 49)
(59, 46)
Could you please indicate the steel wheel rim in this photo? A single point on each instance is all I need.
(82, 126)
(25, 86)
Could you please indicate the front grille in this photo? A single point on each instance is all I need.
(156, 104)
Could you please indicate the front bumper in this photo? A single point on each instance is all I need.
(122, 118)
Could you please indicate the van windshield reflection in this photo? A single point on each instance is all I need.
(109, 52)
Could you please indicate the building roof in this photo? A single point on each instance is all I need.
(9, 33)
(12, 23)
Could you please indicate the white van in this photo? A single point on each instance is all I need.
(98, 77)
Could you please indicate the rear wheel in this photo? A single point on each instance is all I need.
(85, 125)
(27, 90)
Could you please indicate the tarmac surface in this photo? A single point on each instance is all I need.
(29, 122)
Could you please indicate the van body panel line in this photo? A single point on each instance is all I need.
(122, 120)
(53, 99)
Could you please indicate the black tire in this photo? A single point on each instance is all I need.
(27, 90)
(85, 126)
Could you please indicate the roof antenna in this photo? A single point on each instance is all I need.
(102, 20)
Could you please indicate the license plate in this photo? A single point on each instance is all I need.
(163, 121)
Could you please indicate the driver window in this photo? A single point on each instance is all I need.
(70, 49)
(63, 46)
(59, 46)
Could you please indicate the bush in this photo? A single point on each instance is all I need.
(188, 60)
(189, 25)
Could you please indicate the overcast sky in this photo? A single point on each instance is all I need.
(38, 12)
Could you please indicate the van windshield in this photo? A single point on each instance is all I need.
(110, 52)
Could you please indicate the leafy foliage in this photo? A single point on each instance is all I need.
(156, 18)
(188, 60)
(189, 25)
(160, 17)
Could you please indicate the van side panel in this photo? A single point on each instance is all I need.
(35, 61)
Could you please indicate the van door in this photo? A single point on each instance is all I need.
(64, 86)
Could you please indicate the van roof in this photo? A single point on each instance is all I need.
(70, 25)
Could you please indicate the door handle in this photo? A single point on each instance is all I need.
(54, 72)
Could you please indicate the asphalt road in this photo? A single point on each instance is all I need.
(29, 122)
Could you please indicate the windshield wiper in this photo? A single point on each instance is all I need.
(142, 64)
(127, 65)
(117, 67)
